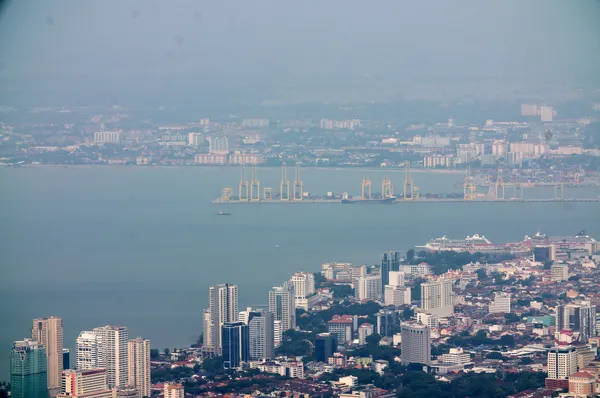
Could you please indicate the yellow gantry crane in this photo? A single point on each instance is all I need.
(254, 186)
(411, 192)
(244, 188)
(387, 189)
(366, 188)
(298, 185)
(284, 185)
(470, 189)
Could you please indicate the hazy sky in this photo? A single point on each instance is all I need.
(276, 42)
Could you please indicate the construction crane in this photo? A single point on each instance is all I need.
(284, 185)
(298, 186)
(366, 188)
(254, 186)
(244, 189)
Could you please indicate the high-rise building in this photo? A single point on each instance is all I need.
(138, 360)
(173, 390)
(236, 344)
(88, 351)
(49, 332)
(113, 346)
(546, 113)
(195, 139)
(390, 261)
(281, 304)
(85, 383)
(577, 317)
(368, 287)
(208, 343)
(103, 137)
(66, 359)
(325, 346)
(416, 344)
(28, 370)
(342, 326)
(396, 295)
(388, 322)
(304, 286)
(261, 332)
(277, 333)
(501, 303)
(397, 278)
(436, 297)
(562, 362)
(218, 145)
(364, 331)
(559, 272)
(223, 301)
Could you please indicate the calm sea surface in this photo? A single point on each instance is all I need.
(139, 246)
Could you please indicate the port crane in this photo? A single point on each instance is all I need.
(284, 185)
(254, 186)
(244, 188)
(469, 188)
(366, 188)
(387, 189)
(411, 191)
(298, 186)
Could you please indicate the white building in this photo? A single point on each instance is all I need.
(282, 366)
(218, 145)
(85, 383)
(207, 326)
(104, 137)
(277, 333)
(88, 351)
(304, 285)
(546, 113)
(397, 295)
(223, 307)
(367, 287)
(456, 355)
(255, 122)
(418, 270)
(261, 330)
(416, 344)
(195, 139)
(437, 297)
(397, 278)
(282, 305)
(559, 272)
(173, 390)
(429, 320)
(364, 331)
(138, 359)
(501, 303)
(114, 350)
(49, 332)
(350, 381)
(562, 362)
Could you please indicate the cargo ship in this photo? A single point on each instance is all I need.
(371, 201)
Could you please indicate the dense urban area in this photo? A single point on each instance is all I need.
(452, 318)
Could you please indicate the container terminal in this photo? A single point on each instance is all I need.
(292, 192)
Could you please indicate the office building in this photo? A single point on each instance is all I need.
(255, 122)
(236, 344)
(499, 148)
(364, 331)
(529, 110)
(88, 351)
(173, 390)
(501, 303)
(416, 344)
(427, 319)
(342, 327)
(277, 333)
(388, 322)
(28, 370)
(396, 295)
(66, 359)
(261, 329)
(85, 383)
(223, 301)
(546, 113)
(390, 261)
(397, 278)
(114, 350)
(49, 333)
(195, 139)
(325, 346)
(107, 137)
(368, 287)
(218, 145)
(456, 355)
(583, 384)
(138, 361)
(281, 304)
(304, 286)
(579, 318)
(562, 362)
(559, 272)
(436, 297)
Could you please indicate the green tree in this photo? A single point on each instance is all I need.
(154, 353)
(167, 352)
(481, 275)
(410, 255)
(373, 339)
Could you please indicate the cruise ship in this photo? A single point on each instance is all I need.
(474, 244)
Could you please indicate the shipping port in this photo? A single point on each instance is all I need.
(293, 192)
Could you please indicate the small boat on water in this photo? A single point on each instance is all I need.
(222, 213)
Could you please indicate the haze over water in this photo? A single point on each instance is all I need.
(140, 246)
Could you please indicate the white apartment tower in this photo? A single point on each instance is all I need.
(436, 297)
(261, 332)
(562, 362)
(367, 287)
(416, 344)
(85, 383)
(304, 286)
(223, 301)
(114, 348)
(138, 360)
(501, 303)
(88, 351)
(172, 390)
(397, 278)
(282, 305)
(49, 332)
